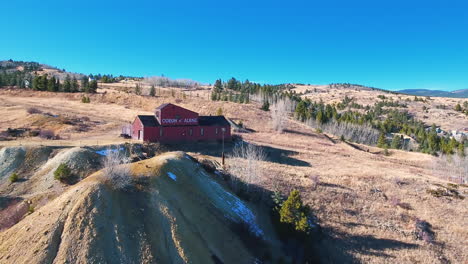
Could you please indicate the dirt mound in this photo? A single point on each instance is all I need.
(10, 159)
(175, 213)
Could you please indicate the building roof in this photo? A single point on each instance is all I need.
(212, 121)
(148, 120)
(162, 106)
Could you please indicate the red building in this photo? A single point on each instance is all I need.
(172, 123)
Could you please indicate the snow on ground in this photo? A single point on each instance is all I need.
(105, 152)
(172, 176)
(236, 209)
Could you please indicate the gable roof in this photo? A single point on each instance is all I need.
(162, 106)
(148, 120)
(212, 121)
(173, 105)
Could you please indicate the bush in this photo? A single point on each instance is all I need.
(85, 100)
(294, 212)
(62, 173)
(265, 106)
(14, 177)
(33, 110)
(47, 134)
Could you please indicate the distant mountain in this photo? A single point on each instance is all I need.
(463, 93)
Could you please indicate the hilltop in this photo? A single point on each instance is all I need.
(463, 93)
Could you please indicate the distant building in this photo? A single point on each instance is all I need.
(172, 123)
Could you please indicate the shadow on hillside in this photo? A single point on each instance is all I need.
(215, 149)
(338, 247)
(300, 133)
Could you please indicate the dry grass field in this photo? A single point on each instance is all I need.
(368, 204)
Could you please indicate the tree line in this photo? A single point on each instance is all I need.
(69, 85)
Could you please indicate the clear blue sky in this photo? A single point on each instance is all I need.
(386, 44)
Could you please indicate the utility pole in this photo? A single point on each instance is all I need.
(222, 155)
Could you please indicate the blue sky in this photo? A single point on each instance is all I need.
(386, 44)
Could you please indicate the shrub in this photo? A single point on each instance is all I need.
(117, 170)
(423, 231)
(318, 130)
(219, 112)
(265, 106)
(62, 173)
(293, 212)
(47, 134)
(14, 177)
(30, 209)
(85, 100)
(33, 110)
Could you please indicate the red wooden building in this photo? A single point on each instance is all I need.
(172, 123)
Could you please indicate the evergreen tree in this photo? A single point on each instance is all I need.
(266, 106)
(396, 142)
(152, 91)
(57, 85)
(93, 85)
(461, 150)
(458, 108)
(382, 141)
(75, 87)
(138, 89)
(293, 212)
(51, 84)
(85, 84)
(219, 112)
(67, 87)
(218, 86)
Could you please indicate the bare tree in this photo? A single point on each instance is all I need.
(280, 111)
(451, 167)
(163, 81)
(364, 134)
(117, 169)
(245, 164)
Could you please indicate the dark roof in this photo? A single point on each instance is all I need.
(212, 121)
(148, 120)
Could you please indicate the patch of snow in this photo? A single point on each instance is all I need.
(241, 210)
(172, 176)
(105, 152)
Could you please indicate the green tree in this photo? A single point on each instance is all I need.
(14, 177)
(62, 173)
(458, 108)
(85, 84)
(75, 87)
(266, 106)
(396, 142)
(293, 212)
(218, 86)
(67, 87)
(137, 89)
(219, 112)
(382, 141)
(51, 84)
(93, 85)
(152, 91)
(461, 150)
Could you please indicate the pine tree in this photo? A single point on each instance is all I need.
(382, 141)
(75, 87)
(218, 86)
(137, 89)
(93, 85)
(219, 112)
(85, 84)
(458, 108)
(67, 87)
(396, 142)
(293, 212)
(51, 84)
(152, 91)
(461, 150)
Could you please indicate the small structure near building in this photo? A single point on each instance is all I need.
(171, 124)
